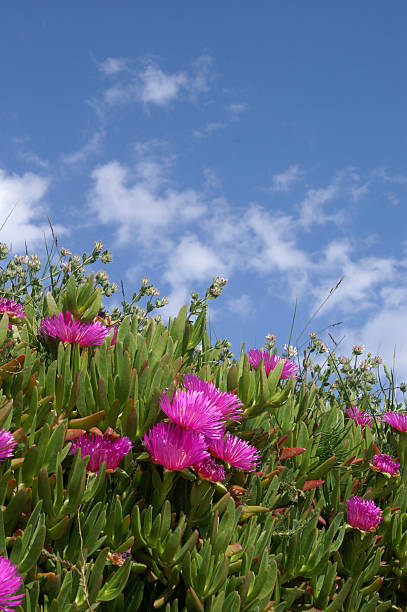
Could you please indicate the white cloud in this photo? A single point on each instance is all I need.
(160, 88)
(189, 262)
(22, 209)
(285, 180)
(139, 202)
(362, 278)
(191, 235)
(276, 243)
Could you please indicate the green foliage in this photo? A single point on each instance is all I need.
(142, 538)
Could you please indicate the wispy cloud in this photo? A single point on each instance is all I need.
(210, 128)
(233, 113)
(285, 180)
(150, 84)
(313, 208)
(386, 177)
(27, 155)
(236, 110)
(92, 146)
(112, 65)
(241, 306)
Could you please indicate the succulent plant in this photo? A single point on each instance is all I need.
(152, 470)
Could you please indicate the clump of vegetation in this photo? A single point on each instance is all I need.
(143, 468)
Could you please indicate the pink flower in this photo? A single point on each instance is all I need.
(290, 368)
(102, 448)
(396, 420)
(175, 448)
(7, 444)
(12, 308)
(385, 464)
(361, 417)
(363, 514)
(193, 410)
(10, 583)
(238, 453)
(228, 404)
(209, 470)
(69, 330)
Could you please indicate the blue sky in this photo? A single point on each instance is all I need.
(264, 142)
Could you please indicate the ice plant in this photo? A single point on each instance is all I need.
(228, 404)
(396, 420)
(67, 329)
(360, 417)
(363, 514)
(235, 451)
(209, 470)
(12, 308)
(385, 464)
(102, 448)
(7, 444)
(290, 368)
(175, 448)
(10, 583)
(193, 410)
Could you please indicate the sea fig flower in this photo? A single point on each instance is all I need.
(235, 451)
(174, 447)
(360, 417)
(385, 464)
(14, 310)
(290, 368)
(363, 514)
(102, 448)
(10, 583)
(209, 470)
(195, 411)
(228, 404)
(396, 420)
(7, 444)
(69, 330)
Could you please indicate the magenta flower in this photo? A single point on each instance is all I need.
(12, 308)
(396, 420)
(10, 583)
(193, 410)
(385, 464)
(290, 368)
(363, 514)
(175, 448)
(102, 448)
(209, 470)
(361, 417)
(69, 330)
(228, 404)
(7, 444)
(238, 453)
